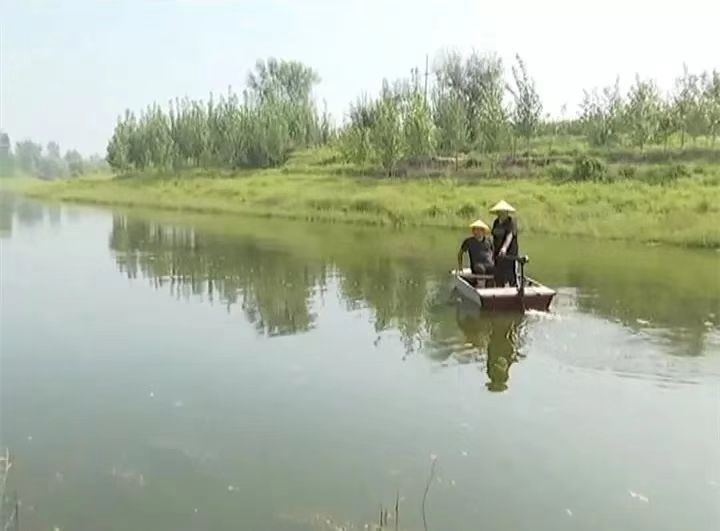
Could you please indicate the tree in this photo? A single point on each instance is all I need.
(642, 112)
(667, 124)
(686, 105)
(53, 150)
(75, 163)
(7, 166)
(528, 108)
(418, 127)
(601, 115)
(386, 132)
(28, 155)
(451, 123)
(478, 82)
(355, 141)
(711, 102)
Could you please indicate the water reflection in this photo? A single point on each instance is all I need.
(273, 288)
(15, 210)
(278, 272)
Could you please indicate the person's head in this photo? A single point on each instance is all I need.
(502, 209)
(479, 228)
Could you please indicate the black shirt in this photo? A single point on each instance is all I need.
(480, 250)
(500, 230)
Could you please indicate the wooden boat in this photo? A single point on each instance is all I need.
(480, 289)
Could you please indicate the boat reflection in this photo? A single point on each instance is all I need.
(497, 336)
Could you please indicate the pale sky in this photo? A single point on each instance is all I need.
(69, 68)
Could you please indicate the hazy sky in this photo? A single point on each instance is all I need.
(70, 67)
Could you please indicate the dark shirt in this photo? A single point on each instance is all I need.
(500, 230)
(480, 250)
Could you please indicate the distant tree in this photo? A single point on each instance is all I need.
(527, 108)
(479, 83)
(7, 165)
(326, 127)
(53, 150)
(28, 155)
(667, 124)
(601, 115)
(686, 105)
(355, 142)
(386, 133)
(418, 127)
(75, 163)
(642, 112)
(451, 123)
(711, 102)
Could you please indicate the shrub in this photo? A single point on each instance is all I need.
(628, 172)
(588, 169)
(560, 172)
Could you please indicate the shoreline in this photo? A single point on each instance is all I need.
(683, 214)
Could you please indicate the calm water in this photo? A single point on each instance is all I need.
(163, 372)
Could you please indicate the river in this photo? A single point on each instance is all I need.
(164, 371)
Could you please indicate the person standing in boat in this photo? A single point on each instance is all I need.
(505, 244)
(480, 249)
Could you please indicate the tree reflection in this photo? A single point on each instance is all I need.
(273, 289)
(274, 271)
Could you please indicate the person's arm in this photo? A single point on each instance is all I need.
(509, 238)
(463, 248)
(506, 244)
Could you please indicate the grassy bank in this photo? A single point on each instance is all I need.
(683, 211)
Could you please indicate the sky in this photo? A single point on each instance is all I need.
(69, 68)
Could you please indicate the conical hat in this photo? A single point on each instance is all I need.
(480, 224)
(502, 206)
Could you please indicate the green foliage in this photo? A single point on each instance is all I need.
(588, 169)
(277, 115)
(386, 132)
(642, 112)
(601, 115)
(450, 121)
(710, 101)
(528, 107)
(418, 127)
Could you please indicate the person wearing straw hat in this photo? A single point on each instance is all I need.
(480, 249)
(505, 243)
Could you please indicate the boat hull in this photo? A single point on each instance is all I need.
(534, 297)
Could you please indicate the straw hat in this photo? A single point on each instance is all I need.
(480, 224)
(502, 206)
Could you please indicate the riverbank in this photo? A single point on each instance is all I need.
(684, 212)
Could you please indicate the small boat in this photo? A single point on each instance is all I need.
(480, 289)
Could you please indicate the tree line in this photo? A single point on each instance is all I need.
(471, 106)
(474, 107)
(32, 159)
(275, 114)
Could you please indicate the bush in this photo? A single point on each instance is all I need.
(628, 172)
(665, 174)
(560, 172)
(588, 169)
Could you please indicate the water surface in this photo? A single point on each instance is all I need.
(164, 371)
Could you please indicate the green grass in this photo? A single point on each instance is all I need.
(655, 195)
(684, 211)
